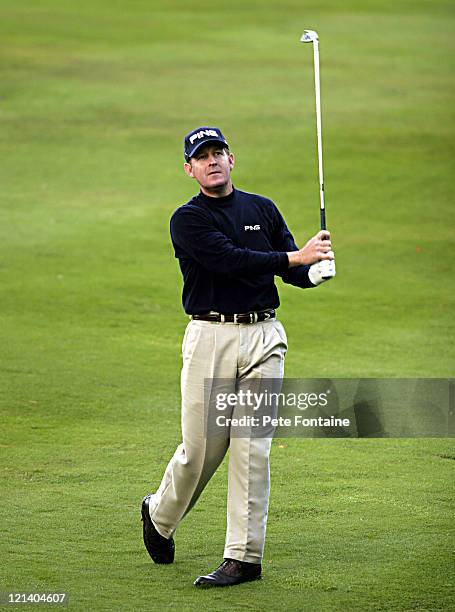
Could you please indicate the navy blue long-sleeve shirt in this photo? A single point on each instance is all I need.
(229, 250)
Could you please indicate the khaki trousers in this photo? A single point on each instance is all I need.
(239, 353)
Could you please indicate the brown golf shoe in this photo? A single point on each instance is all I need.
(230, 572)
(160, 549)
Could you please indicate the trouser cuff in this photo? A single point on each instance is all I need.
(245, 557)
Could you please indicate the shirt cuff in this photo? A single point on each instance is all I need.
(283, 263)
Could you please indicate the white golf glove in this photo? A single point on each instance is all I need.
(322, 271)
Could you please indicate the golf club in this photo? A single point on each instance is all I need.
(310, 36)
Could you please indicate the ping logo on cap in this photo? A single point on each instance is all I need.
(203, 133)
(198, 137)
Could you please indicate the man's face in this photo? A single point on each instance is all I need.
(211, 167)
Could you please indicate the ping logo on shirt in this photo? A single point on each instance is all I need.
(203, 133)
(252, 228)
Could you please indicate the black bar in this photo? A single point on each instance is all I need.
(323, 225)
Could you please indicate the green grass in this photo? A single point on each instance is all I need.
(94, 100)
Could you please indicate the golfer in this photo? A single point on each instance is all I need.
(230, 245)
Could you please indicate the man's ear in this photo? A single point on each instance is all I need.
(188, 169)
(231, 160)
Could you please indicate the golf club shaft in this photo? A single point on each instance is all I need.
(317, 86)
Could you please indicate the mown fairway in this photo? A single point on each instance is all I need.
(95, 98)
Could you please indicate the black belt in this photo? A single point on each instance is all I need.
(246, 317)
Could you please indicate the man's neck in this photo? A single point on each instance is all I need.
(220, 192)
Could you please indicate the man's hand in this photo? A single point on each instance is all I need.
(317, 249)
(322, 271)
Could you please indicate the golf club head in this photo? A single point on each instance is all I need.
(309, 36)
